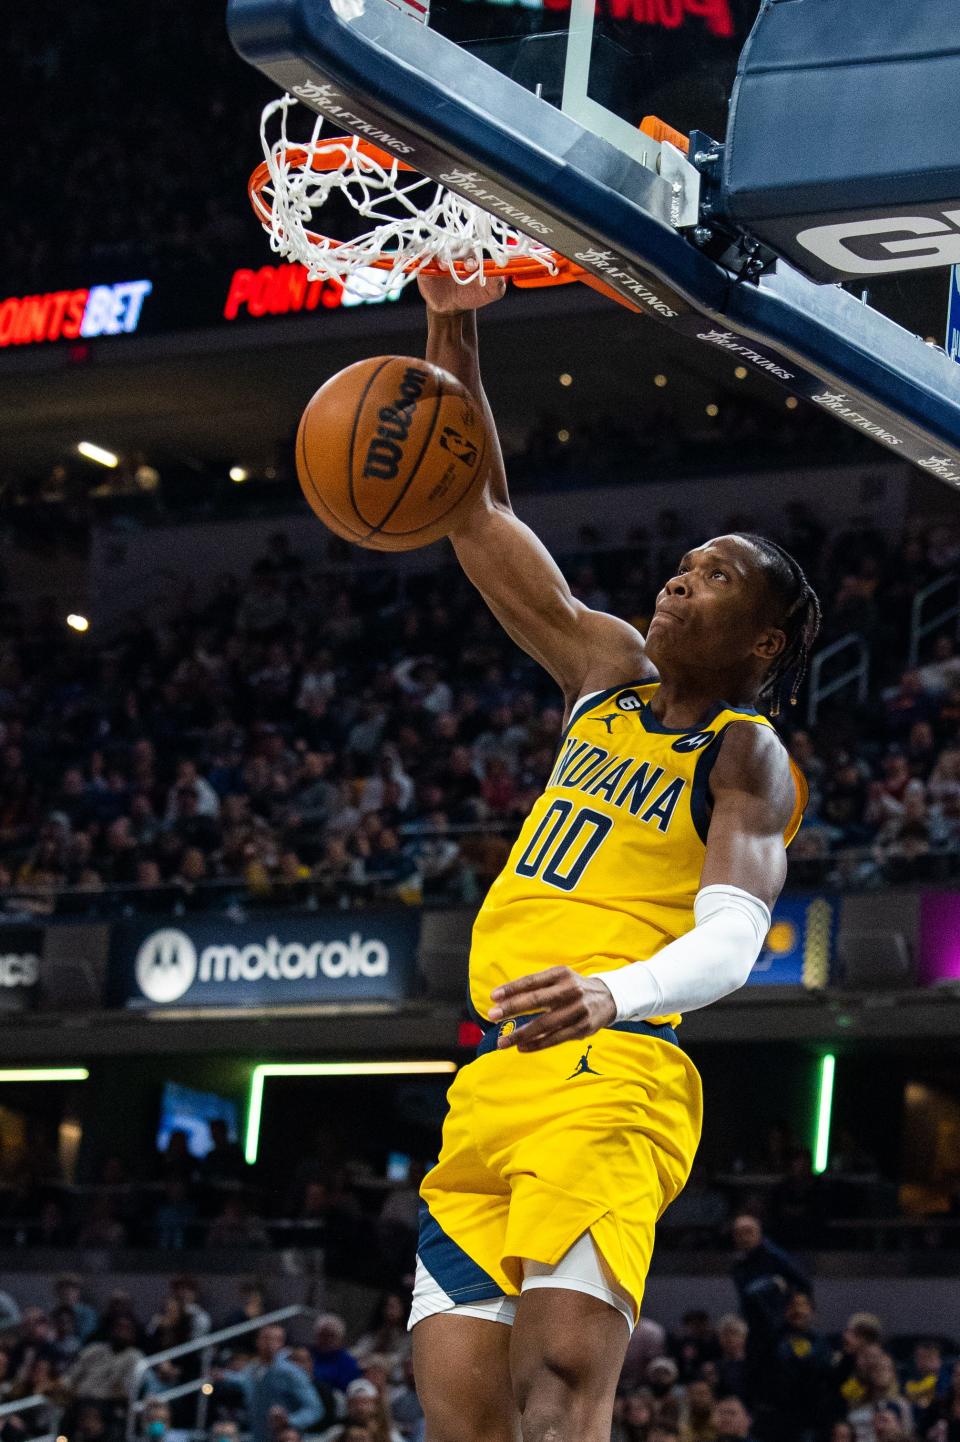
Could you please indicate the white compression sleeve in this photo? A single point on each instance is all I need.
(709, 962)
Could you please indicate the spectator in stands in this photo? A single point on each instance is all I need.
(69, 1293)
(333, 1365)
(104, 1371)
(366, 1408)
(925, 1378)
(765, 1278)
(386, 1333)
(186, 1289)
(65, 1340)
(89, 1423)
(235, 1227)
(405, 1406)
(731, 1420)
(224, 1163)
(633, 1417)
(36, 1340)
(647, 1341)
(800, 1389)
(943, 1418)
(663, 1383)
(731, 1365)
(847, 1384)
(697, 1423)
(155, 1423)
(276, 1392)
(38, 1379)
(882, 1390)
(694, 1344)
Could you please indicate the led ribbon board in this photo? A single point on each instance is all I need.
(449, 115)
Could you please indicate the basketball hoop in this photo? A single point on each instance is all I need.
(419, 227)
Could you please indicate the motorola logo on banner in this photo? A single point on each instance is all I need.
(168, 964)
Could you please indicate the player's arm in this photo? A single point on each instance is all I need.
(743, 874)
(583, 650)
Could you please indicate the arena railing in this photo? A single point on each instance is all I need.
(205, 1346)
(922, 626)
(858, 673)
(28, 1404)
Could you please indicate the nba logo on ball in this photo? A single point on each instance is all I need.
(166, 966)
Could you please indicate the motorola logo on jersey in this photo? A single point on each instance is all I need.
(630, 701)
(880, 247)
(695, 742)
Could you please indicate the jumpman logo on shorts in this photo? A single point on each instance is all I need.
(583, 1065)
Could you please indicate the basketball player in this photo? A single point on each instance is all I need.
(640, 886)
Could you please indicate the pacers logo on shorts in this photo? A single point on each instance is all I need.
(507, 1028)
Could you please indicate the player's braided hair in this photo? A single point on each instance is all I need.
(799, 618)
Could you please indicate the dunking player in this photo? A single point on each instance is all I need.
(640, 887)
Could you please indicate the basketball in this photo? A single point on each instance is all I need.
(389, 452)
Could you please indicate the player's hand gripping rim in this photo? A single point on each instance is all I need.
(571, 1007)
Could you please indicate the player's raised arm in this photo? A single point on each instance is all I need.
(583, 650)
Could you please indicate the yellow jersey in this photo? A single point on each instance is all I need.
(607, 866)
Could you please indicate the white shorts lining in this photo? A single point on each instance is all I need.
(581, 1269)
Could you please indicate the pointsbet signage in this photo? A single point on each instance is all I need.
(715, 15)
(278, 961)
(285, 290)
(81, 314)
(192, 300)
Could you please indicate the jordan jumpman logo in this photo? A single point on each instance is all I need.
(583, 1065)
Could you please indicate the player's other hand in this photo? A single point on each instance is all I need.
(446, 296)
(571, 1007)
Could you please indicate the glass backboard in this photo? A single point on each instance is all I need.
(609, 63)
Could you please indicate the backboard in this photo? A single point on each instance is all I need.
(532, 111)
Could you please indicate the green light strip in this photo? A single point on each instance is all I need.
(821, 1145)
(44, 1074)
(324, 1068)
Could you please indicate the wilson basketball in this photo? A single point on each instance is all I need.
(389, 451)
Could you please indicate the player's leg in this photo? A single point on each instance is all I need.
(571, 1328)
(462, 1367)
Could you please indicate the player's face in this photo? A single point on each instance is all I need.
(711, 613)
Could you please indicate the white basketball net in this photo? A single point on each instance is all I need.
(415, 221)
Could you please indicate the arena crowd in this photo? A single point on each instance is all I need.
(765, 1370)
(332, 737)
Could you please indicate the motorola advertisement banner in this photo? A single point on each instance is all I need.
(800, 944)
(264, 962)
(21, 948)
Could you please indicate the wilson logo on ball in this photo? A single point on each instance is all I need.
(385, 451)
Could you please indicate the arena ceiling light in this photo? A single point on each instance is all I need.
(44, 1074)
(238, 474)
(320, 1069)
(98, 454)
(76, 622)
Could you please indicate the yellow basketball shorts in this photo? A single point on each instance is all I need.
(540, 1148)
